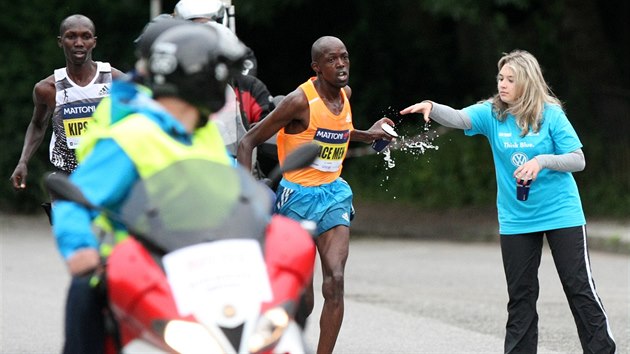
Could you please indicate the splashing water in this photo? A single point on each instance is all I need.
(420, 143)
(415, 144)
(387, 156)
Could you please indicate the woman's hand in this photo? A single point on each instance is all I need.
(527, 171)
(423, 107)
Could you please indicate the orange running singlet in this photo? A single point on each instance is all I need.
(330, 131)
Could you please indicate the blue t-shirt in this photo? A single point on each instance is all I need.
(554, 200)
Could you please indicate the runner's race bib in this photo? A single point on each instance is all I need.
(333, 149)
(76, 119)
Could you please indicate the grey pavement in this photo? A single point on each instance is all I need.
(409, 296)
(398, 301)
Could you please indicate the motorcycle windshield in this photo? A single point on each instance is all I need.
(195, 201)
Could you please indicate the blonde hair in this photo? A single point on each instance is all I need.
(532, 91)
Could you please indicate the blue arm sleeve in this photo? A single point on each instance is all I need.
(105, 178)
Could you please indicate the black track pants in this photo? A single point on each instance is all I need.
(521, 259)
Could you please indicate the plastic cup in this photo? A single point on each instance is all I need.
(522, 189)
(380, 144)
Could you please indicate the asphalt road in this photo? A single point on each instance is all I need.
(440, 297)
(401, 296)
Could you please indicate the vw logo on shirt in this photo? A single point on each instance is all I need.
(519, 158)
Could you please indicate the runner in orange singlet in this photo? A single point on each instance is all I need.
(318, 112)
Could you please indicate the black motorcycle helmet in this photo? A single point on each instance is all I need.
(151, 31)
(194, 62)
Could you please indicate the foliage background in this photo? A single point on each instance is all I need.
(402, 51)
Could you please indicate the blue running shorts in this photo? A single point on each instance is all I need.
(328, 205)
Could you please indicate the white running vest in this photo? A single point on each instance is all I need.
(73, 112)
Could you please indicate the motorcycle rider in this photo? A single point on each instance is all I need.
(187, 70)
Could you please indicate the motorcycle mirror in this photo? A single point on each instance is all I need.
(300, 158)
(62, 188)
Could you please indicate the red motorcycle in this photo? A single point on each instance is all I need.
(207, 268)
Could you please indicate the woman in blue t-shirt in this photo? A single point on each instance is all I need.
(535, 147)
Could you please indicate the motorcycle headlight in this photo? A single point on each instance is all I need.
(269, 329)
(189, 337)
